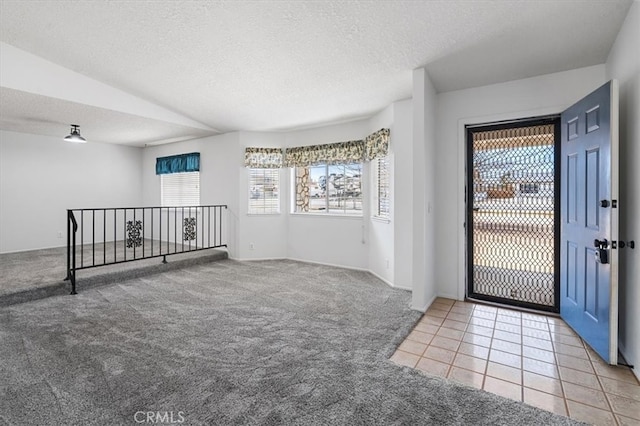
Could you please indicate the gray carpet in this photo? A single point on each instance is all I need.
(37, 274)
(274, 342)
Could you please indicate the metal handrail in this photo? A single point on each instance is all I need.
(204, 221)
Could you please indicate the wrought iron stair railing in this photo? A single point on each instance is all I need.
(108, 236)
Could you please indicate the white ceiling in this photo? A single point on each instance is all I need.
(278, 65)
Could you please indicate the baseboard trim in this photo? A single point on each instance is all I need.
(634, 370)
(256, 259)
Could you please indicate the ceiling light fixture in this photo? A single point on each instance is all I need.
(75, 135)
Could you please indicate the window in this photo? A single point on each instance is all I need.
(180, 189)
(381, 187)
(263, 191)
(335, 189)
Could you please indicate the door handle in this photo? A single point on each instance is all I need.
(603, 244)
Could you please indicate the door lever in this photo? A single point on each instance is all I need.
(604, 243)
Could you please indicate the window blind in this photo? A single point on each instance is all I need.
(264, 186)
(382, 200)
(180, 189)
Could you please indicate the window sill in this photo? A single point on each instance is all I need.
(380, 219)
(328, 215)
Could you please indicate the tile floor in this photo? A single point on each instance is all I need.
(533, 358)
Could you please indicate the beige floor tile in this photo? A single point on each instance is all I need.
(574, 351)
(537, 343)
(585, 395)
(456, 325)
(412, 347)
(470, 363)
(534, 317)
(509, 319)
(427, 328)
(505, 358)
(503, 372)
(476, 339)
(591, 415)
(473, 350)
(439, 354)
(455, 316)
(459, 309)
(432, 320)
(482, 322)
(439, 307)
(450, 333)
(516, 329)
(615, 372)
(485, 308)
(559, 329)
(579, 377)
(575, 363)
(446, 343)
(484, 314)
(405, 358)
(626, 421)
(433, 367)
(433, 312)
(419, 336)
(535, 325)
(466, 377)
(502, 388)
(542, 383)
(567, 340)
(540, 367)
(539, 354)
(556, 321)
(506, 336)
(509, 312)
(480, 330)
(538, 334)
(617, 387)
(545, 401)
(444, 301)
(504, 346)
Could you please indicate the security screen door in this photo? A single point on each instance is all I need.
(512, 195)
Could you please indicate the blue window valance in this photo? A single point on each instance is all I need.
(178, 163)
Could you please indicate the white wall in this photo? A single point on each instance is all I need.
(380, 232)
(402, 193)
(424, 124)
(336, 240)
(220, 164)
(623, 64)
(266, 233)
(41, 177)
(547, 94)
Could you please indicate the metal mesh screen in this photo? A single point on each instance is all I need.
(513, 214)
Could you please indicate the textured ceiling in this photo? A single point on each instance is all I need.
(274, 65)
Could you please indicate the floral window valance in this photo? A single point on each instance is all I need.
(263, 158)
(333, 153)
(377, 144)
(178, 163)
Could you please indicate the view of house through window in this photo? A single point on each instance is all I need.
(335, 188)
(263, 191)
(381, 187)
(180, 189)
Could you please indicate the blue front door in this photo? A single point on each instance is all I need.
(589, 220)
